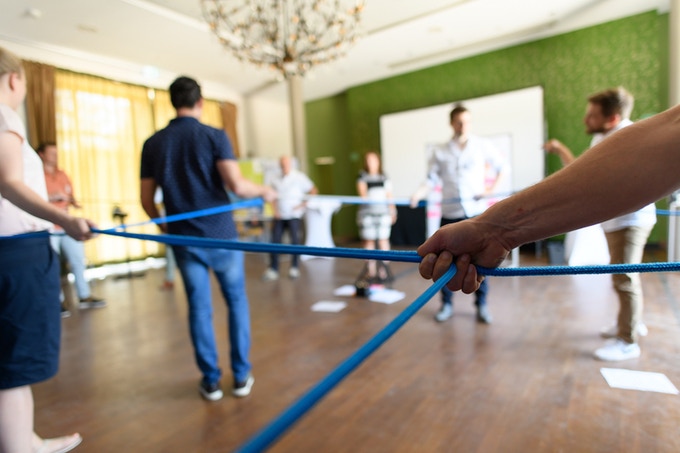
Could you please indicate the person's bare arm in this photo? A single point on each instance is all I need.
(558, 148)
(72, 197)
(147, 191)
(636, 166)
(232, 177)
(392, 206)
(420, 193)
(17, 192)
(362, 189)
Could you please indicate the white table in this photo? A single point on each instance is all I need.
(318, 219)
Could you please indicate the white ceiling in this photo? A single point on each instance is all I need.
(152, 41)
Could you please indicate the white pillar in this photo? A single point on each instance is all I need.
(297, 116)
(674, 53)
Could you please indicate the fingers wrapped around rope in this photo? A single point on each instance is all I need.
(466, 279)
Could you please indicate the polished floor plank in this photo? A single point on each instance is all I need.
(526, 383)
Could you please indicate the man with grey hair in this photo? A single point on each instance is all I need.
(607, 112)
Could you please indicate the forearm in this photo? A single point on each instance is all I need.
(420, 193)
(26, 199)
(150, 209)
(558, 148)
(245, 188)
(565, 155)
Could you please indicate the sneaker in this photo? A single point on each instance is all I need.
(92, 302)
(444, 313)
(613, 331)
(616, 350)
(483, 315)
(270, 275)
(211, 392)
(64, 312)
(293, 272)
(242, 389)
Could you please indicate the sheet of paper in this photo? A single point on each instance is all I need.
(638, 380)
(330, 306)
(386, 296)
(345, 290)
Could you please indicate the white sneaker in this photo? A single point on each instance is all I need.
(444, 313)
(270, 275)
(613, 331)
(616, 350)
(293, 272)
(242, 389)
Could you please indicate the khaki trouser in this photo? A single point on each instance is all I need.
(626, 246)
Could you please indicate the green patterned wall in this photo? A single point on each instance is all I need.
(631, 52)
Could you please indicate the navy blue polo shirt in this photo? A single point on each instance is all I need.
(181, 159)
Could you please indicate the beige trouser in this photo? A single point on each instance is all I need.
(626, 246)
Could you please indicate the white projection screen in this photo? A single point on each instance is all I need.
(514, 118)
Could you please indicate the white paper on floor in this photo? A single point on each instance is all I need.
(330, 306)
(345, 290)
(638, 380)
(385, 295)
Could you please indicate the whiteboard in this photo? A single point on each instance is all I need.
(405, 136)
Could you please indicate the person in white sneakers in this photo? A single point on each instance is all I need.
(291, 187)
(608, 112)
(628, 170)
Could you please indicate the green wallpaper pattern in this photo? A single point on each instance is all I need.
(631, 52)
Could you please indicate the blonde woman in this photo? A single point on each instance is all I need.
(30, 319)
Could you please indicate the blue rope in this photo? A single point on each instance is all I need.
(580, 270)
(291, 415)
(389, 255)
(254, 202)
(668, 212)
(193, 241)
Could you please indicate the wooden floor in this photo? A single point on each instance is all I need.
(527, 383)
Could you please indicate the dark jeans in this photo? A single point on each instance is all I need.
(294, 227)
(480, 294)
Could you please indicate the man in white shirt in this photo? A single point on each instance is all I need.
(608, 112)
(291, 187)
(462, 166)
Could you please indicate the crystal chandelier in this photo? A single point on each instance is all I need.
(290, 36)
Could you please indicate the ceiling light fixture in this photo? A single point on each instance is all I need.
(290, 36)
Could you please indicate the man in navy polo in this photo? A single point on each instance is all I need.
(193, 164)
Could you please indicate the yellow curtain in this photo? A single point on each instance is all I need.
(164, 111)
(101, 127)
(212, 114)
(229, 120)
